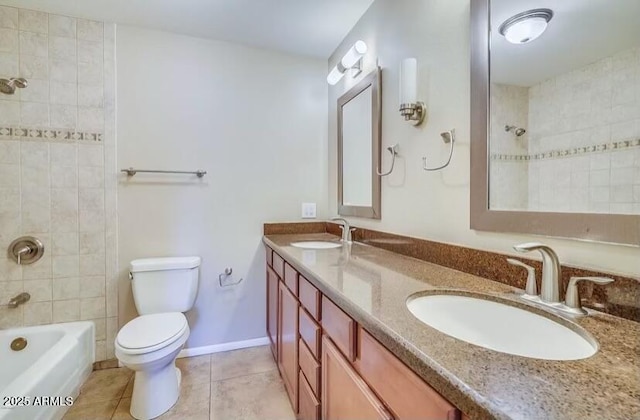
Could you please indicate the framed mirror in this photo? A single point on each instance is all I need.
(359, 127)
(555, 118)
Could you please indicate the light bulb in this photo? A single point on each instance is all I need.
(525, 30)
(354, 54)
(335, 76)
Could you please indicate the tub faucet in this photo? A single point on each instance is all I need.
(346, 229)
(551, 280)
(19, 300)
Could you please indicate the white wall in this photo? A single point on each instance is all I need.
(435, 205)
(256, 121)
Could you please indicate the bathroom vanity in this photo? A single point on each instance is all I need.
(347, 346)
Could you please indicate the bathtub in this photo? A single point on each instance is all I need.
(55, 363)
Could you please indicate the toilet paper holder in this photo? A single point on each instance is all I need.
(222, 278)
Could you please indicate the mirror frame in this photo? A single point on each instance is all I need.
(374, 81)
(612, 228)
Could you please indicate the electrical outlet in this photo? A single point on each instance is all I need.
(308, 210)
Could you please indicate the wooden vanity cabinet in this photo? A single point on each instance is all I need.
(332, 368)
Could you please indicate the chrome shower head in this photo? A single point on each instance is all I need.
(518, 131)
(9, 86)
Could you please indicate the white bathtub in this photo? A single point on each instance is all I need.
(55, 363)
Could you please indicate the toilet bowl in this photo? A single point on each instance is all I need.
(149, 345)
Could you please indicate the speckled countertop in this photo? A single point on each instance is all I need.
(372, 286)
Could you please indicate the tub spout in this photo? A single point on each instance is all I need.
(19, 300)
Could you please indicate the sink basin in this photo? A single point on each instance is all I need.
(502, 327)
(316, 245)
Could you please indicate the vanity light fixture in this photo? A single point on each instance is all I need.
(410, 108)
(526, 26)
(351, 60)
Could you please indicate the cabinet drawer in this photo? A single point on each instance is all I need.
(309, 406)
(278, 265)
(309, 297)
(340, 327)
(291, 278)
(404, 392)
(309, 366)
(310, 333)
(269, 256)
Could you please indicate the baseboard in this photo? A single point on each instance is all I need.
(217, 348)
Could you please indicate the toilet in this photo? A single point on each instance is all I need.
(163, 288)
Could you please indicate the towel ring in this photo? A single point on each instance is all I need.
(394, 152)
(447, 137)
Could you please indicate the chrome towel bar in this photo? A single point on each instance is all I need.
(131, 172)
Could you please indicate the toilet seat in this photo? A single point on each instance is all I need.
(148, 333)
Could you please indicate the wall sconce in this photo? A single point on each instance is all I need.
(351, 60)
(410, 108)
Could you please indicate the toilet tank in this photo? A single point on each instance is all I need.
(164, 284)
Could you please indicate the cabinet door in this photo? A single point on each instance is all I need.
(272, 310)
(344, 394)
(288, 343)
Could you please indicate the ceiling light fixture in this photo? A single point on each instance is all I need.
(526, 26)
(351, 60)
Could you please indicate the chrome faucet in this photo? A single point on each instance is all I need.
(551, 279)
(19, 300)
(346, 229)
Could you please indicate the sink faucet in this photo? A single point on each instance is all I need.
(551, 280)
(346, 229)
(19, 300)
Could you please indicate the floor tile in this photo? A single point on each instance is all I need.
(195, 370)
(102, 410)
(104, 385)
(253, 397)
(232, 364)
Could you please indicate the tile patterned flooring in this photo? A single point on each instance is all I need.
(241, 384)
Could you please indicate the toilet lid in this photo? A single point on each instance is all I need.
(151, 330)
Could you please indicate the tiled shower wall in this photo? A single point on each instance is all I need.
(57, 171)
(583, 141)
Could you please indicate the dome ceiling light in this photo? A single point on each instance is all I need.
(526, 26)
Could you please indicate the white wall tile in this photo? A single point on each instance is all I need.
(90, 119)
(9, 289)
(9, 63)
(621, 176)
(66, 310)
(34, 114)
(91, 220)
(64, 154)
(90, 155)
(8, 17)
(90, 73)
(11, 317)
(40, 290)
(90, 96)
(9, 113)
(9, 41)
(40, 269)
(34, 21)
(9, 175)
(64, 116)
(100, 326)
(36, 221)
(63, 71)
(64, 177)
(62, 26)
(92, 265)
(92, 286)
(34, 154)
(92, 243)
(66, 288)
(91, 176)
(36, 198)
(64, 199)
(35, 176)
(63, 48)
(9, 270)
(64, 244)
(65, 266)
(32, 67)
(90, 30)
(91, 198)
(90, 52)
(64, 93)
(34, 44)
(9, 152)
(37, 91)
(92, 308)
(9, 200)
(37, 313)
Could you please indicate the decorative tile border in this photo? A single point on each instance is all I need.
(576, 151)
(33, 133)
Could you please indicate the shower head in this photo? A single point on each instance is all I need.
(9, 86)
(518, 131)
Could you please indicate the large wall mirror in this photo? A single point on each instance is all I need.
(359, 119)
(555, 118)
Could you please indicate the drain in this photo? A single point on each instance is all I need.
(19, 344)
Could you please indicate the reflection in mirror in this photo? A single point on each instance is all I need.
(565, 109)
(359, 149)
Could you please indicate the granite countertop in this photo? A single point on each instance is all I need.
(372, 286)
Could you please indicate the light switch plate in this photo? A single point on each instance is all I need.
(308, 210)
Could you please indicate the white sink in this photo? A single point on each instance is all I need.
(316, 245)
(501, 327)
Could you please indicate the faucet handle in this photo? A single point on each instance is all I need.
(572, 297)
(531, 289)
